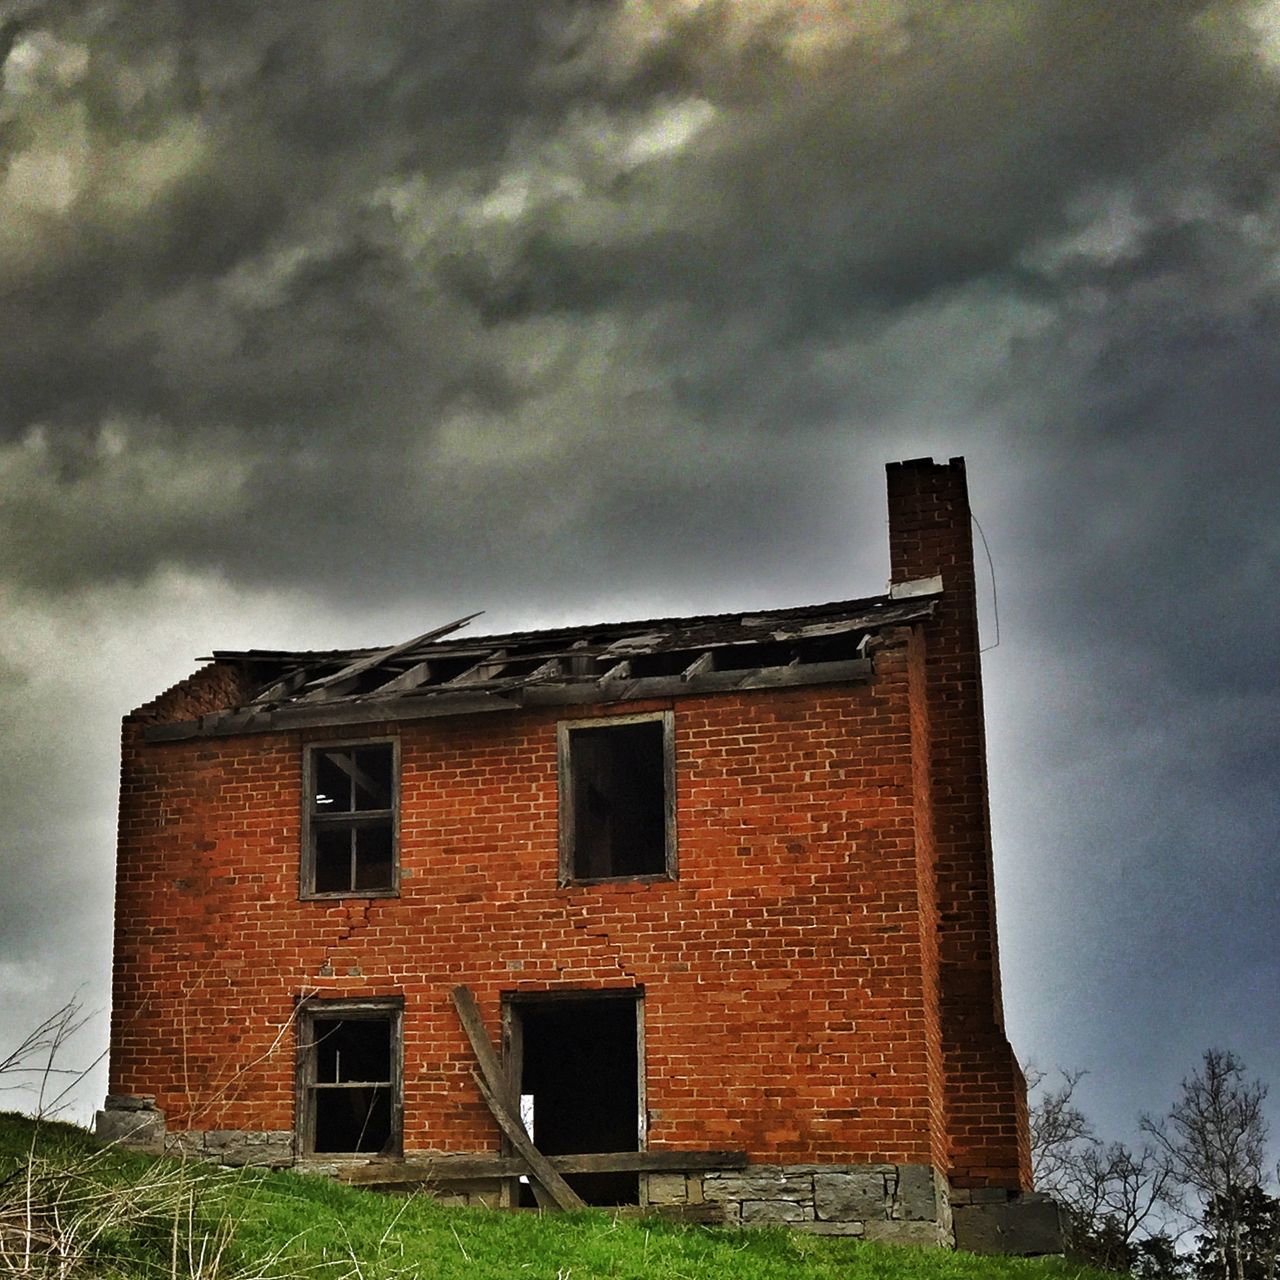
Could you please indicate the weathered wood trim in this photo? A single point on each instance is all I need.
(311, 823)
(564, 780)
(372, 1007)
(376, 659)
(426, 703)
(493, 1088)
(487, 668)
(332, 715)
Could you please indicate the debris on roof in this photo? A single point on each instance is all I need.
(440, 674)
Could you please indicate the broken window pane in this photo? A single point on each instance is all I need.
(617, 776)
(352, 1051)
(353, 779)
(332, 859)
(333, 784)
(373, 857)
(372, 776)
(351, 816)
(350, 1120)
(351, 1077)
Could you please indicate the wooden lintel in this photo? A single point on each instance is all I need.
(468, 1168)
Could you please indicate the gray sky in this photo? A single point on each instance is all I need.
(321, 323)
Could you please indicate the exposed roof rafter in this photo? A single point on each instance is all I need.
(432, 675)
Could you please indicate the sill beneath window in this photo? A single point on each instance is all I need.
(348, 893)
(576, 882)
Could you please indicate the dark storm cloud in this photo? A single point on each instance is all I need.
(327, 317)
(255, 233)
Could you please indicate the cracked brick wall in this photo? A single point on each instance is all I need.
(785, 1003)
(820, 980)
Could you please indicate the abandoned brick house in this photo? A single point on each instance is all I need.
(693, 913)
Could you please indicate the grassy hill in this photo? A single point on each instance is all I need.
(69, 1210)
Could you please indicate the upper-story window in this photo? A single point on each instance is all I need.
(617, 798)
(350, 820)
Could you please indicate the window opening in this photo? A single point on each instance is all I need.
(579, 1084)
(351, 812)
(350, 1070)
(617, 814)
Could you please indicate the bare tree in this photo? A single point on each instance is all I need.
(1059, 1129)
(1111, 1195)
(34, 1065)
(1214, 1140)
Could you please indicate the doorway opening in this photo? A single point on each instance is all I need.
(578, 1060)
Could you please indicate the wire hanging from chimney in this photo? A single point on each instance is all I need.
(995, 601)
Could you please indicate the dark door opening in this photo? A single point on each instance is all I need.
(577, 1060)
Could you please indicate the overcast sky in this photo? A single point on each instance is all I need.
(323, 322)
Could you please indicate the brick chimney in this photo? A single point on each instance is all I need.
(986, 1110)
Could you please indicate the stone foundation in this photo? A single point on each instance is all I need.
(991, 1220)
(889, 1203)
(131, 1120)
(895, 1203)
(134, 1121)
(265, 1149)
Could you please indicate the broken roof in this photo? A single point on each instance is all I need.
(440, 673)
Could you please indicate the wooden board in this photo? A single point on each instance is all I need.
(469, 1168)
(493, 1088)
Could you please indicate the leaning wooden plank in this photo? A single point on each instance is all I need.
(492, 1084)
(539, 1166)
(494, 1090)
(385, 655)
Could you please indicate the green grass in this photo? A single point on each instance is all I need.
(282, 1224)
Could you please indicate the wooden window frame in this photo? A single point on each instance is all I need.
(564, 731)
(370, 1009)
(306, 888)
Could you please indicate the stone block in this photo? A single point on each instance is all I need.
(184, 1143)
(268, 1148)
(923, 1234)
(1028, 1225)
(760, 1213)
(850, 1195)
(917, 1198)
(831, 1228)
(982, 1195)
(130, 1102)
(135, 1129)
(762, 1182)
(668, 1188)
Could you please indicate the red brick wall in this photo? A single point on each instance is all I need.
(821, 980)
(789, 1009)
(985, 1095)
